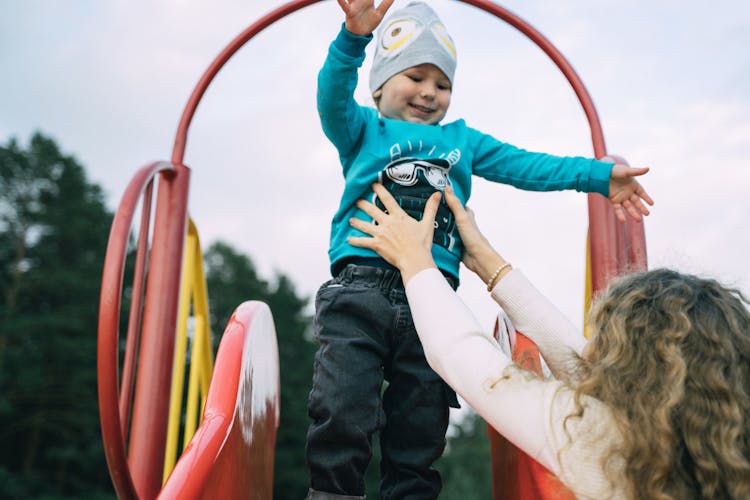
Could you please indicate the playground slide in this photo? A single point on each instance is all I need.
(231, 453)
(515, 475)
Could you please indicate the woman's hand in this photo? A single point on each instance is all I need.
(362, 17)
(479, 256)
(401, 240)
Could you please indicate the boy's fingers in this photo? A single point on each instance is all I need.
(639, 206)
(631, 209)
(619, 212)
(634, 172)
(644, 195)
(384, 6)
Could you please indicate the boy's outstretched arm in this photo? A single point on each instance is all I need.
(362, 17)
(626, 194)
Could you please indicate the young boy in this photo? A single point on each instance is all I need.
(363, 322)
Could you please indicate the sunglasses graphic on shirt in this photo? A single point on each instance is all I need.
(406, 172)
(411, 182)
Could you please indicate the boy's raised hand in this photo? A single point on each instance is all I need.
(626, 194)
(362, 17)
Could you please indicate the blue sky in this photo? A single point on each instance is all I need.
(670, 79)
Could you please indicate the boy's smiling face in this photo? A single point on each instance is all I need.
(420, 94)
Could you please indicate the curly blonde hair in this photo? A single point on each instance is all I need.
(671, 357)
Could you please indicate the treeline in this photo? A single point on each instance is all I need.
(54, 225)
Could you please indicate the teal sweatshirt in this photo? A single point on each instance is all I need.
(413, 158)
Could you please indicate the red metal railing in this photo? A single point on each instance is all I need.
(153, 313)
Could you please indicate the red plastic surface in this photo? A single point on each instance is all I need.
(515, 475)
(231, 453)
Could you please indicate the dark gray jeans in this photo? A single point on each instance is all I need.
(366, 335)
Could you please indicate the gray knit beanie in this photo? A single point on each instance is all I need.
(411, 36)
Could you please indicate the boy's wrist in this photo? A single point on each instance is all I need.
(350, 43)
(600, 177)
(356, 31)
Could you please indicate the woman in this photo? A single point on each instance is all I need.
(655, 405)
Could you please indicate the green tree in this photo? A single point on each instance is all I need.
(232, 279)
(53, 232)
(465, 465)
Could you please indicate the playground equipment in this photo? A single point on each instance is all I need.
(231, 453)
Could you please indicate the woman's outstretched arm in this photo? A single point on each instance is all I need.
(456, 346)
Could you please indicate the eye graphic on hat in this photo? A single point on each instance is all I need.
(413, 36)
(438, 29)
(398, 35)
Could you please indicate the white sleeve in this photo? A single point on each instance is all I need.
(528, 411)
(534, 315)
(449, 331)
(472, 363)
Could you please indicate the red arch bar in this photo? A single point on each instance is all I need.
(614, 249)
(112, 415)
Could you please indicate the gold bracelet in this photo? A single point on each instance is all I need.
(491, 281)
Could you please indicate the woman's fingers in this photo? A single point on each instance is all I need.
(364, 226)
(460, 212)
(394, 212)
(452, 200)
(361, 241)
(431, 208)
(392, 206)
(371, 210)
(389, 202)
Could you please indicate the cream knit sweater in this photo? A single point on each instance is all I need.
(528, 411)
